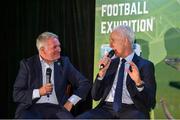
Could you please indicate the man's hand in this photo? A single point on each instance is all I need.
(68, 105)
(106, 62)
(46, 89)
(134, 74)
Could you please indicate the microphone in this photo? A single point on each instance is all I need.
(110, 55)
(48, 76)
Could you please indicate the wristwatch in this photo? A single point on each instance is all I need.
(141, 85)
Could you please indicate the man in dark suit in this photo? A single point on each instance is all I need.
(41, 85)
(126, 85)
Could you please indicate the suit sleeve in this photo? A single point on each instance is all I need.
(97, 89)
(81, 85)
(102, 86)
(21, 93)
(148, 94)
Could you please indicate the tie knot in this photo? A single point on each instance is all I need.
(123, 61)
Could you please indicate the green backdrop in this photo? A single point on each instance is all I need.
(157, 27)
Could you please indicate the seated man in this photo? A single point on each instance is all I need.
(40, 86)
(126, 85)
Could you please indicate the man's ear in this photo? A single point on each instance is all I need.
(127, 42)
(42, 51)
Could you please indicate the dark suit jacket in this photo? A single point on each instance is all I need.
(144, 100)
(30, 77)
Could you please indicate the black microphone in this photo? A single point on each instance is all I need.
(110, 55)
(48, 76)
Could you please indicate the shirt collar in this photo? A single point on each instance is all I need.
(129, 57)
(42, 61)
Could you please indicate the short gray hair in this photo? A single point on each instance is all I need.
(127, 32)
(43, 37)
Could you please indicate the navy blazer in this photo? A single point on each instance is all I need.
(30, 77)
(144, 100)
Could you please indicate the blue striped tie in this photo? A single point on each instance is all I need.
(119, 88)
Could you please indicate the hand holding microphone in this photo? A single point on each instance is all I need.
(47, 88)
(105, 62)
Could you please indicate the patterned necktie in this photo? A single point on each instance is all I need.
(119, 88)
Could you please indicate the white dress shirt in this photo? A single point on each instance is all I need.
(52, 96)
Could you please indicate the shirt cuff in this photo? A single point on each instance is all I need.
(35, 94)
(74, 99)
(140, 88)
(100, 78)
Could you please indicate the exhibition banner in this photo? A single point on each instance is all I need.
(156, 24)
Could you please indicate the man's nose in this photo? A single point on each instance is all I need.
(59, 49)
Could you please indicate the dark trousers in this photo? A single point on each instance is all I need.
(44, 111)
(106, 112)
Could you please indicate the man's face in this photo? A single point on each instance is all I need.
(52, 49)
(117, 43)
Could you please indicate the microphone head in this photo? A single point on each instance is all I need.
(48, 71)
(111, 53)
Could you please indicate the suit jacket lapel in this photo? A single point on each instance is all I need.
(135, 60)
(111, 76)
(114, 66)
(38, 72)
(129, 81)
(58, 79)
